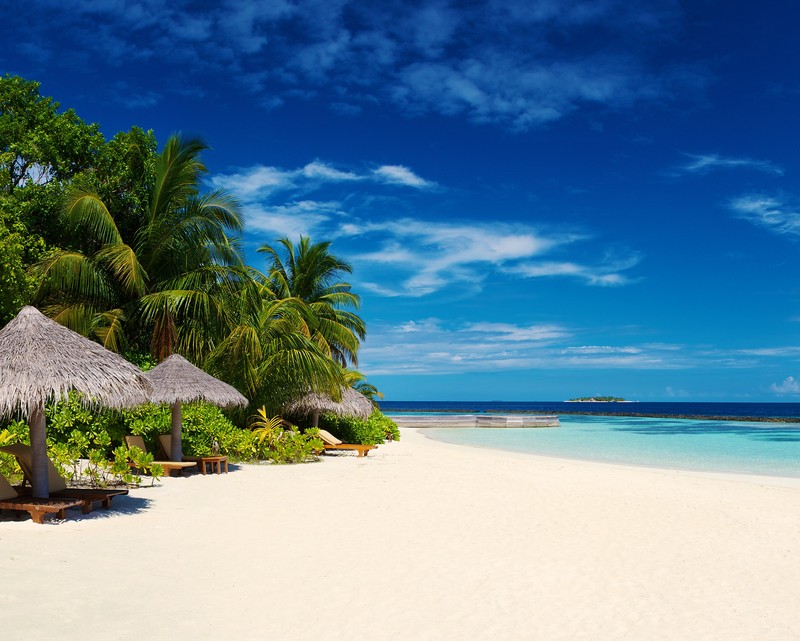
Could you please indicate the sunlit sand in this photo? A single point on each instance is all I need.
(420, 540)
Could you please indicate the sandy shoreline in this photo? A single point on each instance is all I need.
(421, 540)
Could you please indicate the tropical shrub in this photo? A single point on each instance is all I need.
(390, 430)
(281, 445)
(202, 425)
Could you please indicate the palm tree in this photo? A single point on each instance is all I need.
(358, 382)
(268, 353)
(310, 273)
(168, 281)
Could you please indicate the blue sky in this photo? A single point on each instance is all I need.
(541, 199)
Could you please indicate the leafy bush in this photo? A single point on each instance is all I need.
(390, 430)
(372, 431)
(202, 425)
(15, 432)
(296, 447)
(97, 470)
(280, 445)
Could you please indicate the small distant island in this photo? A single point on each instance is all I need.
(598, 399)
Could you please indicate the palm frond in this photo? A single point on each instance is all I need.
(122, 262)
(86, 209)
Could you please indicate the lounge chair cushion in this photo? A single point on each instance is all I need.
(6, 491)
(135, 441)
(55, 482)
(328, 438)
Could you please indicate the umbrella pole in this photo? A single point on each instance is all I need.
(36, 423)
(177, 419)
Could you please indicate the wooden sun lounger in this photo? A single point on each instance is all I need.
(37, 508)
(332, 443)
(169, 466)
(216, 462)
(57, 484)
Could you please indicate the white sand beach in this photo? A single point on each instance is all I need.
(419, 541)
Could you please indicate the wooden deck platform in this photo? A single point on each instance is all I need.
(477, 420)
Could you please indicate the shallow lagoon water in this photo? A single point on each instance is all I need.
(702, 445)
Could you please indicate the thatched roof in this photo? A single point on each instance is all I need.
(176, 380)
(352, 404)
(42, 361)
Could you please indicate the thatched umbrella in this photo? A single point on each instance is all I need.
(312, 405)
(42, 361)
(176, 381)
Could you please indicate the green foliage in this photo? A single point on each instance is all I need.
(67, 448)
(295, 447)
(157, 263)
(372, 431)
(265, 428)
(40, 151)
(281, 445)
(15, 432)
(17, 250)
(380, 421)
(310, 273)
(268, 353)
(202, 425)
(83, 429)
(134, 458)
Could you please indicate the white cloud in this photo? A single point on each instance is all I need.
(705, 163)
(789, 386)
(509, 332)
(779, 214)
(261, 182)
(434, 255)
(254, 183)
(325, 172)
(399, 175)
(603, 349)
(292, 220)
(607, 273)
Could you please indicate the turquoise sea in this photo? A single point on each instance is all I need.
(702, 445)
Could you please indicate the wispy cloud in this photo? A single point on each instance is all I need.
(438, 346)
(260, 182)
(294, 219)
(491, 62)
(779, 214)
(434, 346)
(428, 256)
(706, 163)
(399, 175)
(609, 272)
(407, 256)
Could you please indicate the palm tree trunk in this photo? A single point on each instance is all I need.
(176, 446)
(37, 423)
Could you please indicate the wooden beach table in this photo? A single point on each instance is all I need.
(165, 440)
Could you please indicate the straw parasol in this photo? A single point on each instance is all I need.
(313, 404)
(176, 381)
(42, 361)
